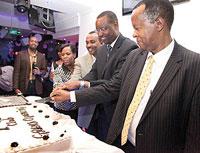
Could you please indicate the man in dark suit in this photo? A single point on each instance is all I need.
(107, 64)
(29, 66)
(167, 119)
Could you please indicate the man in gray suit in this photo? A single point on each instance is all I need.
(167, 120)
(108, 63)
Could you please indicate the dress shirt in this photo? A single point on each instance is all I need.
(161, 59)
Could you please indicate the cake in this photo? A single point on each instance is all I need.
(31, 127)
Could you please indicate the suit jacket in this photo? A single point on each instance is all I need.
(103, 71)
(171, 120)
(22, 69)
(82, 66)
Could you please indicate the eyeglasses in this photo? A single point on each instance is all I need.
(103, 28)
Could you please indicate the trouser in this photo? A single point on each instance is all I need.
(99, 124)
(31, 91)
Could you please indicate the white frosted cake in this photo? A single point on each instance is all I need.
(33, 128)
(36, 128)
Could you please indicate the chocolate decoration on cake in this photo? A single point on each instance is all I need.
(46, 116)
(55, 122)
(14, 144)
(40, 111)
(45, 137)
(62, 135)
(34, 106)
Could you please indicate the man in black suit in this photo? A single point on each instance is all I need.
(167, 119)
(107, 64)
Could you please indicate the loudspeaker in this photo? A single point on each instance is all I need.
(33, 16)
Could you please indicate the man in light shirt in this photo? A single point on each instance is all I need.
(167, 119)
(82, 66)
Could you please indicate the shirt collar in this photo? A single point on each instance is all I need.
(164, 54)
(113, 43)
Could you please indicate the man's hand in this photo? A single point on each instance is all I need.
(36, 71)
(71, 85)
(59, 95)
(17, 91)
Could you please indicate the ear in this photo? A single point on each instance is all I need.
(74, 55)
(59, 53)
(160, 22)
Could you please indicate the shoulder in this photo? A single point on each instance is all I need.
(20, 53)
(7, 68)
(83, 57)
(127, 42)
(187, 55)
(40, 54)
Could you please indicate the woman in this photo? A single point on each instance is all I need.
(64, 67)
(61, 72)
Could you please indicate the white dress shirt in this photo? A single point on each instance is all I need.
(161, 58)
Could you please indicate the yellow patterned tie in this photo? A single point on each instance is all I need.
(139, 93)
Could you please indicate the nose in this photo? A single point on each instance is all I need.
(134, 34)
(100, 33)
(89, 45)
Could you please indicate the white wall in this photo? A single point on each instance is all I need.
(186, 27)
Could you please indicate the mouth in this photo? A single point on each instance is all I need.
(103, 39)
(90, 49)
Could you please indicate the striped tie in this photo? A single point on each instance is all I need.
(109, 49)
(139, 93)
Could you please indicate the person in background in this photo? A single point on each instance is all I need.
(158, 89)
(29, 67)
(6, 80)
(61, 72)
(83, 65)
(109, 60)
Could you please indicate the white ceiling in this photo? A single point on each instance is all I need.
(65, 6)
(69, 11)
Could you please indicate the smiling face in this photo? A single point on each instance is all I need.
(107, 30)
(33, 43)
(145, 31)
(92, 43)
(67, 56)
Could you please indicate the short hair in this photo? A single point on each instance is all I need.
(156, 8)
(111, 16)
(91, 32)
(31, 35)
(72, 47)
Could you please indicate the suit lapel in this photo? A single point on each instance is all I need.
(170, 70)
(134, 74)
(114, 51)
(26, 55)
